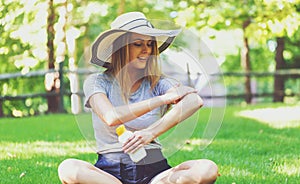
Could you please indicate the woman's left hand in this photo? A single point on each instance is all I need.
(176, 93)
(139, 139)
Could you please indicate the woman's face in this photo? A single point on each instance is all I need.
(140, 49)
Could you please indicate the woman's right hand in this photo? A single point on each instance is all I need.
(138, 140)
(175, 94)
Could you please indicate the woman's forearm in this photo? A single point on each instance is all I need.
(118, 115)
(132, 111)
(112, 115)
(182, 110)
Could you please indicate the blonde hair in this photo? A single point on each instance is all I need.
(120, 58)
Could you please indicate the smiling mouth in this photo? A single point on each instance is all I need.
(143, 58)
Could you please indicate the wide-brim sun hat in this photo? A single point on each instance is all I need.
(132, 22)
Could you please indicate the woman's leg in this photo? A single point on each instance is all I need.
(78, 171)
(190, 172)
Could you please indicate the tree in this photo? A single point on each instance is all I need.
(245, 62)
(260, 21)
(28, 32)
(12, 48)
(221, 15)
(280, 64)
(51, 79)
(276, 21)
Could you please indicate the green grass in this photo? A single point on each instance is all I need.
(246, 150)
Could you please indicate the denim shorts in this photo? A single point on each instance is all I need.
(120, 165)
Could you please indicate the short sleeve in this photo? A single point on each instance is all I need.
(95, 83)
(164, 84)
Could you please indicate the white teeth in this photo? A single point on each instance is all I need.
(142, 58)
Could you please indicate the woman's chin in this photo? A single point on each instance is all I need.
(139, 65)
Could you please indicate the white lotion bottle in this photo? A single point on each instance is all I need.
(124, 135)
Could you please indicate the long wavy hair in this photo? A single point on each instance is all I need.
(120, 59)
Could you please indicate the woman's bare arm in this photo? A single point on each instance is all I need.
(187, 106)
(182, 110)
(118, 115)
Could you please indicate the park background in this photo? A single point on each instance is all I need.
(45, 54)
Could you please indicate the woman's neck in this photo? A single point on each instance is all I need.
(136, 78)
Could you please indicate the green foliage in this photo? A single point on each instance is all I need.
(262, 59)
(30, 106)
(292, 47)
(23, 26)
(232, 63)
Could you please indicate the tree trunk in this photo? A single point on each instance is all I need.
(245, 62)
(279, 79)
(51, 79)
(1, 108)
(121, 8)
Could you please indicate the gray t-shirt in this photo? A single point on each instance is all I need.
(106, 137)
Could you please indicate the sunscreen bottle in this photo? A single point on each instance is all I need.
(124, 135)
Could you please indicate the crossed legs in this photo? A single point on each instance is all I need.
(190, 172)
(78, 171)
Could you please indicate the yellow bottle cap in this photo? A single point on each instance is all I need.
(120, 130)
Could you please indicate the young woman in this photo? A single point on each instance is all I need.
(132, 91)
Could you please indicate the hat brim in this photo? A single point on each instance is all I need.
(102, 47)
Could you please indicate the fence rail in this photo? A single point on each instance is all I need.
(65, 91)
(286, 73)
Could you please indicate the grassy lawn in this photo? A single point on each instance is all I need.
(247, 149)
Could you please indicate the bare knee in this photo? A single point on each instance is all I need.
(201, 171)
(208, 171)
(68, 170)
